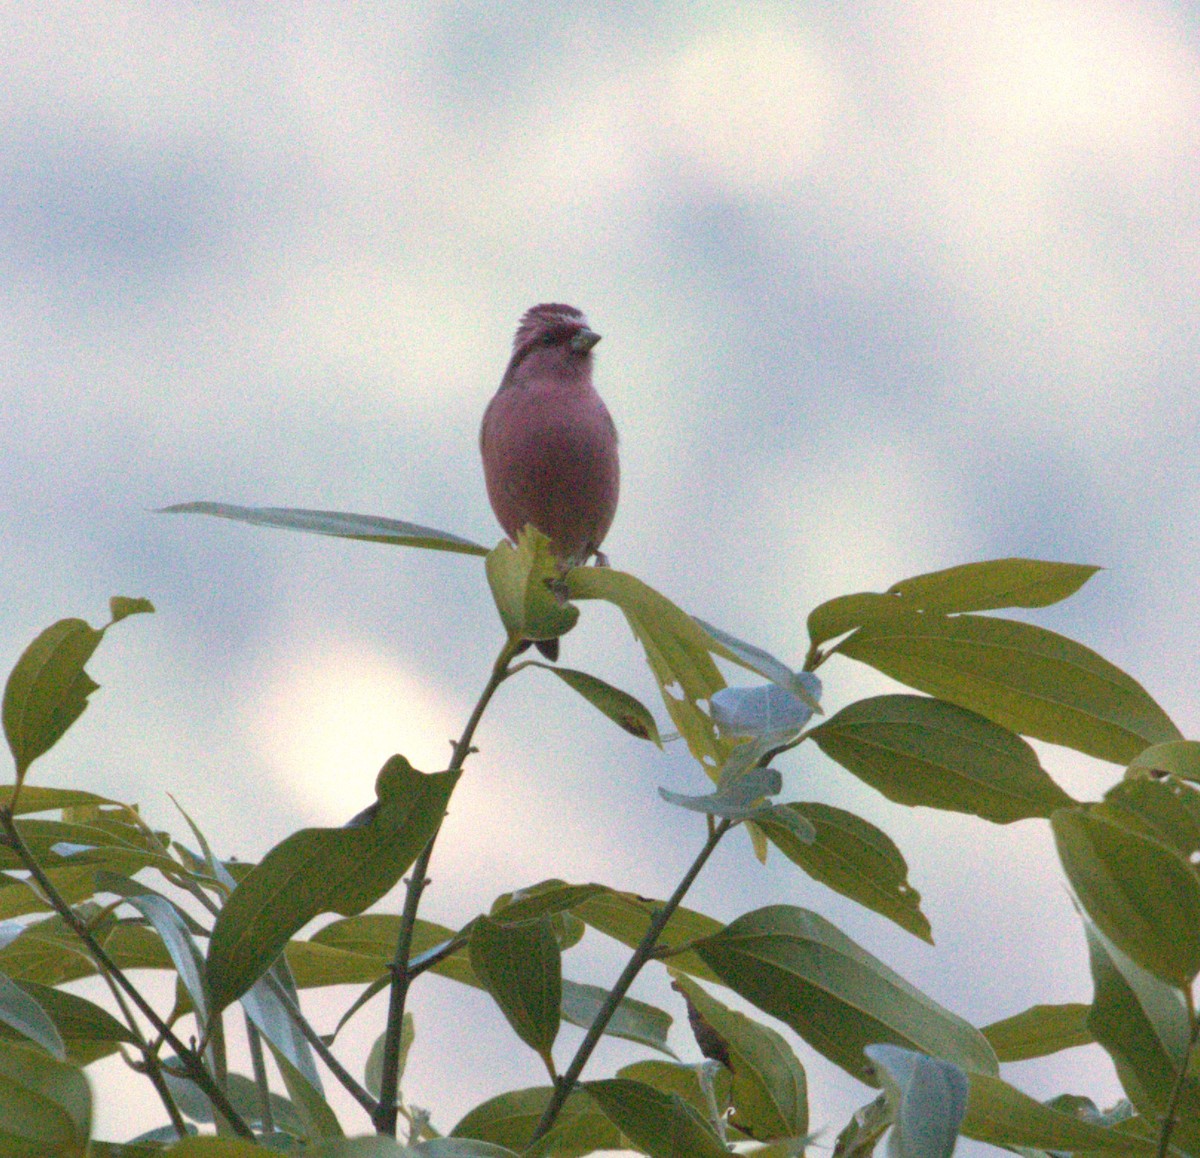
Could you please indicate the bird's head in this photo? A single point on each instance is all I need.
(552, 341)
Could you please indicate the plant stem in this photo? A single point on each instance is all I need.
(642, 954)
(1164, 1137)
(196, 1069)
(260, 1076)
(385, 1115)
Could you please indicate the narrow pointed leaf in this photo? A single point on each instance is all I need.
(854, 858)
(661, 1125)
(796, 966)
(1002, 1115)
(185, 953)
(620, 707)
(266, 1010)
(922, 751)
(1039, 1031)
(521, 966)
(633, 1020)
(367, 528)
(321, 870)
(770, 1090)
(928, 1097)
(316, 1117)
(373, 1073)
(88, 1031)
(37, 799)
(19, 1011)
(48, 689)
(509, 1120)
(47, 1104)
(992, 585)
(1142, 894)
(1025, 678)
(986, 586)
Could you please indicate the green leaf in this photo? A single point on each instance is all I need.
(620, 707)
(661, 1125)
(1142, 894)
(1167, 810)
(316, 1117)
(928, 1098)
(527, 586)
(374, 1069)
(985, 586)
(88, 1031)
(19, 1011)
(1176, 758)
(770, 1090)
(48, 689)
(321, 870)
(167, 922)
(633, 1020)
(123, 606)
(992, 585)
(367, 528)
(1039, 1031)
(1143, 1025)
(678, 651)
(458, 1148)
(47, 1104)
(1000, 1114)
(34, 799)
(510, 1118)
(852, 857)
(684, 1080)
(796, 966)
(922, 751)
(521, 966)
(626, 917)
(244, 1096)
(1025, 678)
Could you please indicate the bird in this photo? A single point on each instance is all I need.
(548, 442)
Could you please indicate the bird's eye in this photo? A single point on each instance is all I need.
(548, 339)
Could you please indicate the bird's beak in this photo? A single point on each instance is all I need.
(583, 341)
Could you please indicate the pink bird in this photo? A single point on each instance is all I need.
(548, 442)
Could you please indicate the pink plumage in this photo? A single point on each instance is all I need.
(548, 442)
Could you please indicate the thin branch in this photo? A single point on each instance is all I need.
(195, 1066)
(385, 1115)
(642, 954)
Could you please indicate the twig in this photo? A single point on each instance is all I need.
(385, 1115)
(195, 1066)
(642, 954)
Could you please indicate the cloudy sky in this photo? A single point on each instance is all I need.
(883, 288)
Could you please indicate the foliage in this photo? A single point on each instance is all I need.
(89, 889)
